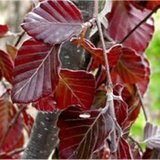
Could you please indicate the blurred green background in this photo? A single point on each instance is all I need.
(152, 97)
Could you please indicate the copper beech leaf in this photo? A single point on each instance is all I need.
(97, 53)
(36, 71)
(75, 87)
(124, 150)
(46, 104)
(127, 16)
(130, 67)
(15, 138)
(83, 133)
(3, 30)
(146, 4)
(6, 66)
(152, 135)
(53, 21)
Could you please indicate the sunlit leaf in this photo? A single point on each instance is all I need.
(83, 133)
(6, 66)
(36, 71)
(75, 87)
(53, 21)
(12, 51)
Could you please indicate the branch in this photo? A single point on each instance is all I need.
(115, 135)
(19, 39)
(108, 80)
(134, 141)
(14, 120)
(44, 137)
(141, 102)
(139, 24)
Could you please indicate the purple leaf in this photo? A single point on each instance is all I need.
(53, 21)
(36, 71)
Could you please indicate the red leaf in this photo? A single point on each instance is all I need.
(121, 111)
(46, 104)
(28, 121)
(83, 133)
(53, 21)
(75, 87)
(97, 53)
(36, 71)
(15, 137)
(6, 66)
(127, 16)
(3, 30)
(130, 66)
(146, 4)
(134, 106)
(4, 155)
(124, 150)
(143, 85)
(152, 136)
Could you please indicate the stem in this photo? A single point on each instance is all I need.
(116, 134)
(134, 141)
(19, 39)
(16, 151)
(14, 120)
(139, 24)
(108, 80)
(141, 102)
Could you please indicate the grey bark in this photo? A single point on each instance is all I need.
(44, 137)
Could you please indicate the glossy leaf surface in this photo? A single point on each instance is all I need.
(36, 71)
(6, 66)
(75, 87)
(127, 16)
(15, 137)
(53, 21)
(83, 133)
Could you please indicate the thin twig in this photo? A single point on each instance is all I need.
(19, 39)
(16, 151)
(139, 24)
(14, 120)
(108, 80)
(134, 141)
(141, 102)
(115, 135)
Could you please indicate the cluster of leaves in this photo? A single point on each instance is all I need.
(95, 118)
